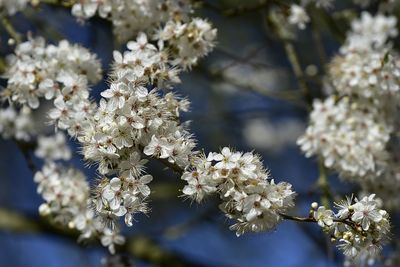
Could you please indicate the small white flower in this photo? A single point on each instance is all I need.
(365, 212)
(116, 95)
(324, 216)
(226, 158)
(110, 239)
(158, 147)
(53, 147)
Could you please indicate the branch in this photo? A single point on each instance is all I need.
(62, 3)
(138, 247)
(311, 219)
(241, 9)
(296, 67)
(323, 184)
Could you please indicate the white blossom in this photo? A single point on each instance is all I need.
(365, 212)
(360, 228)
(132, 16)
(122, 196)
(18, 124)
(110, 239)
(67, 200)
(350, 137)
(324, 216)
(370, 32)
(53, 147)
(298, 16)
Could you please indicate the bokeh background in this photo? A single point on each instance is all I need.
(243, 95)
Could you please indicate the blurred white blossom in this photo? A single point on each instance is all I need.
(298, 16)
(18, 124)
(53, 147)
(10, 7)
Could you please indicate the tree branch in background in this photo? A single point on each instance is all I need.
(140, 248)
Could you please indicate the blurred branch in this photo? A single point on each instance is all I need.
(141, 248)
(63, 3)
(10, 29)
(3, 65)
(26, 149)
(178, 230)
(240, 60)
(240, 9)
(296, 67)
(147, 250)
(291, 55)
(318, 44)
(323, 185)
(291, 96)
(165, 190)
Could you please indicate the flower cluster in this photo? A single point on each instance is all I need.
(10, 7)
(298, 16)
(366, 32)
(370, 32)
(367, 66)
(64, 190)
(351, 137)
(143, 59)
(187, 41)
(38, 71)
(387, 184)
(60, 73)
(67, 200)
(132, 16)
(132, 116)
(370, 75)
(359, 226)
(248, 193)
(18, 124)
(351, 129)
(122, 196)
(168, 22)
(53, 147)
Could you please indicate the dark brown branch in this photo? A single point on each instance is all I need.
(352, 224)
